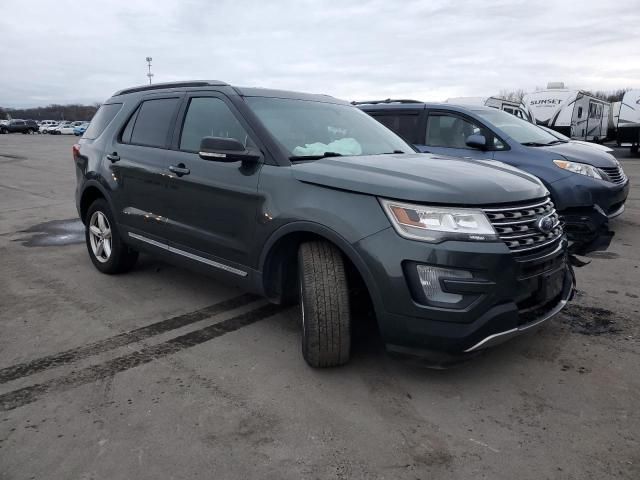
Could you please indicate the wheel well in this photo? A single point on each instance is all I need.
(90, 195)
(280, 272)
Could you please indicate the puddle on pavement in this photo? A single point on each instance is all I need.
(54, 233)
(590, 320)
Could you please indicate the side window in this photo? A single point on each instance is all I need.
(404, 124)
(149, 126)
(579, 112)
(450, 131)
(210, 117)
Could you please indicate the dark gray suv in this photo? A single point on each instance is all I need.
(295, 196)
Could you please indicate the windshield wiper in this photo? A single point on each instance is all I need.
(391, 153)
(555, 142)
(295, 158)
(535, 144)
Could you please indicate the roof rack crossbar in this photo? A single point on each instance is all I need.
(158, 86)
(388, 100)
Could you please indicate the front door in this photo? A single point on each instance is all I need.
(447, 133)
(212, 205)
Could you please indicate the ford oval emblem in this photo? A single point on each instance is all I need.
(545, 224)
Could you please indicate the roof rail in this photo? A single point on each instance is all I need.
(388, 100)
(159, 86)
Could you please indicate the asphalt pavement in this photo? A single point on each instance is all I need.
(166, 374)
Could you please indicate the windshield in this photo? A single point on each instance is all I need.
(309, 129)
(520, 130)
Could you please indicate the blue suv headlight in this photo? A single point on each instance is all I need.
(581, 168)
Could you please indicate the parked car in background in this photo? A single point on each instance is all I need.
(46, 125)
(80, 129)
(33, 126)
(62, 129)
(301, 197)
(19, 126)
(588, 186)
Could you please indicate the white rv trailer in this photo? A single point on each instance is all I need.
(629, 120)
(510, 106)
(574, 113)
(613, 119)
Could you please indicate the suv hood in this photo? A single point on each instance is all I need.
(423, 178)
(577, 152)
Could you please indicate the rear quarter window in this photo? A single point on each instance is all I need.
(103, 117)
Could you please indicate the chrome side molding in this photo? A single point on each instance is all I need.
(191, 256)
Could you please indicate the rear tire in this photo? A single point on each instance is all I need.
(107, 251)
(324, 305)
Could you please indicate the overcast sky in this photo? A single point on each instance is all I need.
(59, 51)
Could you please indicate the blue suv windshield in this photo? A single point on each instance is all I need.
(309, 129)
(520, 130)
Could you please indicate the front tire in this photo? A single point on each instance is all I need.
(324, 305)
(107, 251)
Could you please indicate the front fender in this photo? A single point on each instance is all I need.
(334, 237)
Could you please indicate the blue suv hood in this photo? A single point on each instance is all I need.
(576, 152)
(423, 178)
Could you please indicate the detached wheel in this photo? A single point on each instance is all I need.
(108, 252)
(324, 305)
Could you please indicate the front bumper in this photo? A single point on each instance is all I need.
(506, 296)
(585, 207)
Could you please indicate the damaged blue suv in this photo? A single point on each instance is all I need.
(588, 186)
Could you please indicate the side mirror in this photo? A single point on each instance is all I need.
(476, 141)
(220, 149)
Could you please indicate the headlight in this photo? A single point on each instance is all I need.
(581, 168)
(435, 224)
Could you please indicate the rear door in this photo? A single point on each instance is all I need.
(212, 208)
(447, 132)
(139, 160)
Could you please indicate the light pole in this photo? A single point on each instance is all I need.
(149, 74)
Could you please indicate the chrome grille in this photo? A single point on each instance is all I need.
(614, 174)
(517, 225)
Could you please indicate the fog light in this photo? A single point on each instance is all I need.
(430, 281)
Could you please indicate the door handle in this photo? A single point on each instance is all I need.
(180, 169)
(113, 157)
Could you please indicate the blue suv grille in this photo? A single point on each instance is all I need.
(614, 174)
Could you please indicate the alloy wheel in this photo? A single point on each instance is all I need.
(100, 236)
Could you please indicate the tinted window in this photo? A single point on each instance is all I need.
(101, 119)
(152, 122)
(210, 117)
(404, 124)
